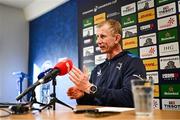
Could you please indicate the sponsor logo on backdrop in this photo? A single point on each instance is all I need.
(160, 2)
(170, 90)
(87, 11)
(148, 52)
(88, 32)
(153, 76)
(99, 18)
(148, 39)
(171, 104)
(88, 41)
(168, 22)
(128, 9)
(129, 20)
(88, 61)
(169, 62)
(156, 90)
(147, 27)
(151, 64)
(145, 4)
(95, 29)
(179, 5)
(134, 51)
(130, 43)
(166, 10)
(156, 104)
(169, 49)
(170, 76)
(96, 8)
(146, 15)
(109, 15)
(88, 22)
(129, 31)
(167, 35)
(88, 51)
(100, 58)
(98, 49)
(179, 19)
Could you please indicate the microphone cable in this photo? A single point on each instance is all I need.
(4, 113)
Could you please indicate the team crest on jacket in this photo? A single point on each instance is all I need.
(99, 73)
(119, 65)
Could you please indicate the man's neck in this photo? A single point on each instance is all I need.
(116, 51)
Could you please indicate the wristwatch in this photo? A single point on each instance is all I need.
(93, 89)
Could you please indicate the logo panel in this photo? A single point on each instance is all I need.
(169, 49)
(100, 58)
(160, 2)
(88, 32)
(168, 22)
(148, 52)
(88, 51)
(129, 31)
(166, 10)
(88, 41)
(147, 27)
(129, 43)
(148, 39)
(170, 76)
(134, 51)
(167, 35)
(145, 4)
(170, 90)
(156, 103)
(87, 22)
(128, 20)
(128, 9)
(171, 104)
(99, 18)
(113, 14)
(151, 64)
(156, 90)
(146, 15)
(169, 62)
(153, 76)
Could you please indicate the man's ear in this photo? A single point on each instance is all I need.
(118, 38)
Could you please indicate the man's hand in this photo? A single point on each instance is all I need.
(80, 79)
(74, 93)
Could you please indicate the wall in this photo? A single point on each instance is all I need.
(13, 50)
(53, 36)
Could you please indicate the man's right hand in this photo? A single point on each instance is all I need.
(74, 93)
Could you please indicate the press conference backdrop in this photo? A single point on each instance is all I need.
(53, 37)
(150, 29)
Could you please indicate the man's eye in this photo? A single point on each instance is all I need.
(101, 36)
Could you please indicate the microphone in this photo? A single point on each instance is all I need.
(60, 68)
(42, 74)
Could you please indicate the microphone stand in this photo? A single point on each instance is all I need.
(33, 100)
(54, 99)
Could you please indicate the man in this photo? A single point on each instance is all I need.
(109, 84)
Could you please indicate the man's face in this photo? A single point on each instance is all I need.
(105, 39)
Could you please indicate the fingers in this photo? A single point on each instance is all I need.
(85, 70)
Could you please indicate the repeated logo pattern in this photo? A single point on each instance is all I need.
(150, 29)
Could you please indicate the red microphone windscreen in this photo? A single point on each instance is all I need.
(64, 66)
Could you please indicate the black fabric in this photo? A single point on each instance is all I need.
(112, 79)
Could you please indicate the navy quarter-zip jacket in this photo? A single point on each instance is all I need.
(112, 79)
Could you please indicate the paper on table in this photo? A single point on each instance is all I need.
(114, 109)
